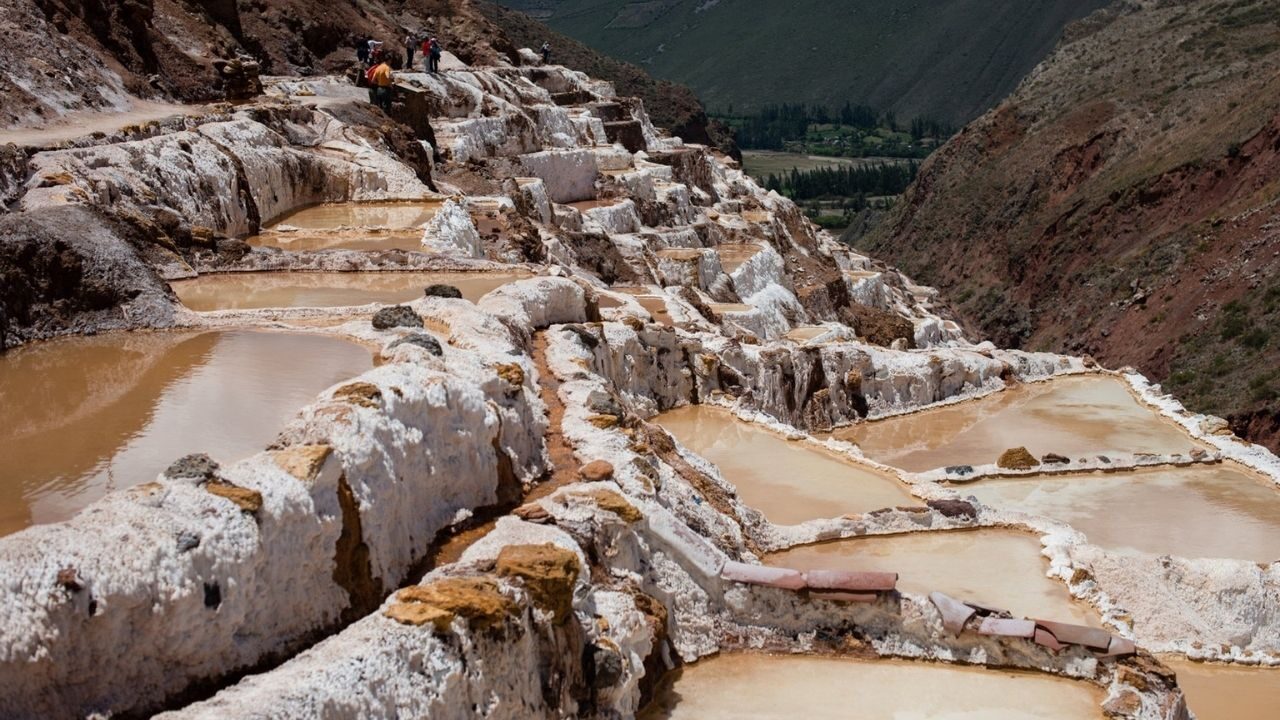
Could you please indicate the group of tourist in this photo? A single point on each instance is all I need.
(376, 64)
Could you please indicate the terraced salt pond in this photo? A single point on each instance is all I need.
(991, 567)
(787, 481)
(1078, 417)
(350, 226)
(1223, 692)
(243, 291)
(1200, 511)
(776, 687)
(87, 415)
(733, 257)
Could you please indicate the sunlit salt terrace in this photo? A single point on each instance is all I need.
(787, 481)
(778, 687)
(88, 415)
(1215, 511)
(991, 567)
(243, 291)
(350, 226)
(1074, 417)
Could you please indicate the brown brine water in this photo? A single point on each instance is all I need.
(350, 226)
(1225, 692)
(84, 416)
(1073, 416)
(995, 568)
(786, 687)
(1215, 511)
(789, 482)
(733, 257)
(244, 291)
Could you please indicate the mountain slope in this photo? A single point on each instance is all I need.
(948, 59)
(1123, 202)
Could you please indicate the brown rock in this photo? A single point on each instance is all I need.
(1055, 459)
(548, 571)
(477, 600)
(1132, 677)
(248, 500)
(604, 422)
(512, 373)
(1017, 459)
(596, 471)
(534, 513)
(302, 461)
(69, 578)
(954, 508)
(615, 503)
(359, 393)
(1125, 703)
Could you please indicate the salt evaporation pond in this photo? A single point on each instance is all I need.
(1215, 511)
(789, 482)
(84, 416)
(1225, 692)
(733, 257)
(244, 291)
(991, 567)
(1074, 416)
(785, 687)
(350, 226)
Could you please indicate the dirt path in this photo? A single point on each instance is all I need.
(563, 471)
(83, 123)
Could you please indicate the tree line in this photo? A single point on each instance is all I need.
(775, 125)
(844, 181)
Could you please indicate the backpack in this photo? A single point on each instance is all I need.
(368, 74)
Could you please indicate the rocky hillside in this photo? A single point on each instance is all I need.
(944, 59)
(1123, 203)
(176, 51)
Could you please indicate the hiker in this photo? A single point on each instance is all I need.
(433, 59)
(379, 77)
(426, 53)
(375, 51)
(362, 50)
(546, 53)
(410, 44)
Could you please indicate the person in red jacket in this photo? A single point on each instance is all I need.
(380, 80)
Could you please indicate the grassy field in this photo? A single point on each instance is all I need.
(760, 163)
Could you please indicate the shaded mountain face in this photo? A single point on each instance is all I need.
(1123, 202)
(947, 59)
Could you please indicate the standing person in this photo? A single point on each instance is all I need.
(362, 50)
(546, 53)
(380, 79)
(426, 53)
(375, 51)
(410, 44)
(436, 51)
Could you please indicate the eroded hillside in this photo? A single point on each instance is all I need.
(1122, 203)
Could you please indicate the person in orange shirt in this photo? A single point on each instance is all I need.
(380, 79)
